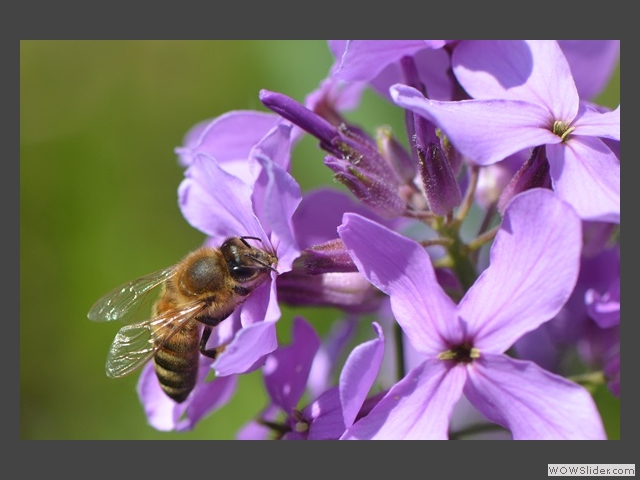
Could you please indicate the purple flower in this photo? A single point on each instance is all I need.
(533, 269)
(353, 156)
(251, 196)
(256, 199)
(592, 63)
(604, 308)
(229, 139)
(524, 96)
(576, 325)
(324, 274)
(286, 373)
(377, 62)
(334, 96)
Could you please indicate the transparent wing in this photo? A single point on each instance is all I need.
(117, 303)
(137, 343)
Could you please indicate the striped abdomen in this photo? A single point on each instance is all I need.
(176, 363)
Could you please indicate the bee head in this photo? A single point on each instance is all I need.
(246, 263)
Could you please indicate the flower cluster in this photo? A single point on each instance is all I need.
(502, 331)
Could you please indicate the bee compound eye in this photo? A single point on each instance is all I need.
(243, 274)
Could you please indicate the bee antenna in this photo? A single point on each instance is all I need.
(261, 262)
(250, 238)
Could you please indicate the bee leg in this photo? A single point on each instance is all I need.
(212, 352)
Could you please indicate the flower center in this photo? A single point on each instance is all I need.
(300, 424)
(463, 353)
(562, 129)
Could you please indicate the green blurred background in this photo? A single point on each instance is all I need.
(99, 121)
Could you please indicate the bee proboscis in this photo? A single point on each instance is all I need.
(198, 292)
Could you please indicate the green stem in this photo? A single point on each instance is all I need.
(590, 380)
(458, 256)
(480, 240)
(463, 211)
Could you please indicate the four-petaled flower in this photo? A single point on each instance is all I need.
(463, 345)
(524, 96)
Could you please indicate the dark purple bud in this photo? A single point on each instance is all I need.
(300, 115)
(380, 195)
(439, 181)
(534, 173)
(328, 257)
(361, 151)
(452, 154)
(431, 158)
(396, 155)
(346, 142)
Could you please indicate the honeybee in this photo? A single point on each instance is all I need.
(197, 294)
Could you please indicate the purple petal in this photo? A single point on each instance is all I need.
(247, 350)
(261, 306)
(486, 131)
(533, 71)
(402, 269)
(275, 145)
(465, 420)
(365, 59)
(331, 350)
(531, 402)
(164, 414)
(433, 68)
(586, 174)
(359, 373)
(604, 308)
(533, 268)
(598, 124)
(325, 416)
(227, 138)
(287, 369)
(337, 47)
(592, 63)
(207, 398)
(320, 214)
(216, 202)
(275, 198)
(545, 345)
(417, 407)
(335, 94)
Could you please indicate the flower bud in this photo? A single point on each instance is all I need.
(350, 292)
(373, 191)
(301, 116)
(329, 257)
(396, 155)
(534, 173)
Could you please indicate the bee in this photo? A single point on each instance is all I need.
(198, 293)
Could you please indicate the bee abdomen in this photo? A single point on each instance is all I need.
(176, 365)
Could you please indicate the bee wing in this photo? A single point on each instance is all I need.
(118, 302)
(135, 344)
